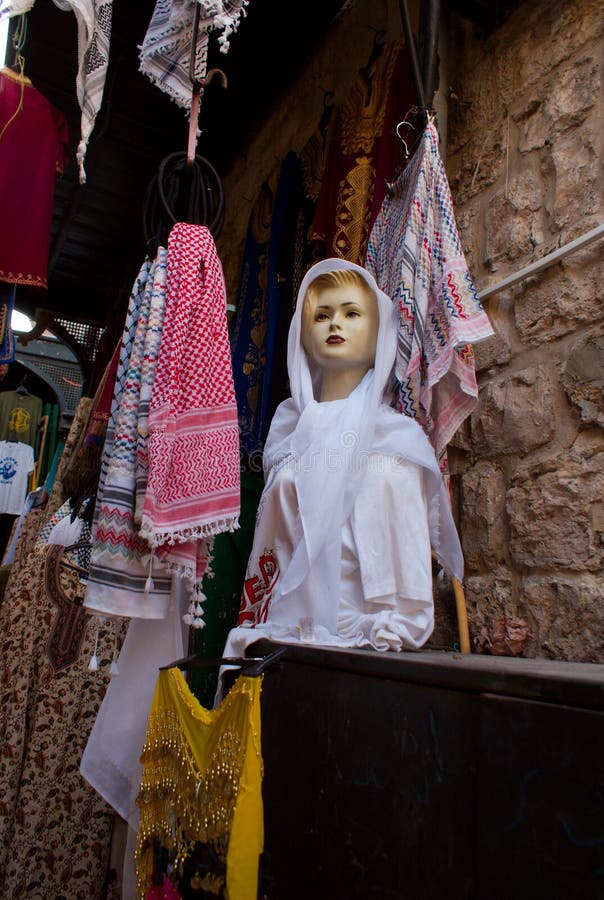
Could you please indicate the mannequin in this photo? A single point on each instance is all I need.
(354, 501)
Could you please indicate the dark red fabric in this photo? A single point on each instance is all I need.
(363, 153)
(33, 149)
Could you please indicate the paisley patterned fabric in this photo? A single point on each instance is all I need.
(55, 831)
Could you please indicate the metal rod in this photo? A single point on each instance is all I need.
(429, 25)
(412, 50)
(588, 238)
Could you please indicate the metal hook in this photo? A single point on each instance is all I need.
(401, 138)
(210, 74)
(197, 84)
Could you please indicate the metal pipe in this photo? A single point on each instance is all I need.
(412, 50)
(555, 256)
(429, 24)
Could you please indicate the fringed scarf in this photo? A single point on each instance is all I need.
(166, 49)
(415, 255)
(193, 489)
(119, 582)
(93, 19)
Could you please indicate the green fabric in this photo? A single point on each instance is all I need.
(54, 465)
(20, 416)
(230, 556)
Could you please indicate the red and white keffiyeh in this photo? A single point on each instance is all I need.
(193, 489)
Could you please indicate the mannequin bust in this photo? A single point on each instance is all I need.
(354, 500)
(339, 330)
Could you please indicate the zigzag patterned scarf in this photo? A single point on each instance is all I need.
(415, 255)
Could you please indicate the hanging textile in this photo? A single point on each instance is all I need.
(111, 760)
(363, 153)
(202, 782)
(166, 48)
(16, 464)
(119, 570)
(193, 490)
(54, 831)
(7, 338)
(254, 324)
(33, 149)
(230, 554)
(416, 257)
(20, 414)
(264, 306)
(93, 19)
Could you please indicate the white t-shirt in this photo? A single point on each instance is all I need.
(16, 462)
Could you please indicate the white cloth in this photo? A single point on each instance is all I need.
(353, 502)
(94, 31)
(16, 462)
(166, 48)
(111, 760)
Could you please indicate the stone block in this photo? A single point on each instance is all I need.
(577, 189)
(566, 616)
(509, 231)
(495, 351)
(560, 103)
(560, 299)
(513, 415)
(483, 524)
(583, 380)
(551, 515)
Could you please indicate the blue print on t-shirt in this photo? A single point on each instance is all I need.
(8, 468)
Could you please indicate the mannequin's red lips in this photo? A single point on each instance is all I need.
(334, 339)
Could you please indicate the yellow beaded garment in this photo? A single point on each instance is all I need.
(202, 782)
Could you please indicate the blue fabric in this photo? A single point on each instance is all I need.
(7, 305)
(260, 299)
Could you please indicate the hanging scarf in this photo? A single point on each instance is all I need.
(415, 255)
(94, 32)
(166, 48)
(329, 446)
(120, 567)
(193, 487)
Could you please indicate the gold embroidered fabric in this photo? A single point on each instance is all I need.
(202, 782)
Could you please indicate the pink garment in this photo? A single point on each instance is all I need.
(193, 490)
(33, 148)
(164, 891)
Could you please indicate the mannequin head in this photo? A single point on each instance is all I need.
(340, 320)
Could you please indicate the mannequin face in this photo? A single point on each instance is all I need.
(339, 331)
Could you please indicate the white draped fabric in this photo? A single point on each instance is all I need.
(353, 503)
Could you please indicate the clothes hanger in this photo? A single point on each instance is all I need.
(251, 665)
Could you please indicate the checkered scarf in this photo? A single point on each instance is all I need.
(193, 488)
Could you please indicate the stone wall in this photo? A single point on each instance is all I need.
(524, 159)
(522, 142)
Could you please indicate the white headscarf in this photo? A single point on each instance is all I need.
(328, 445)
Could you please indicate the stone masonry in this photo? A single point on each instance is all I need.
(523, 150)
(524, 157)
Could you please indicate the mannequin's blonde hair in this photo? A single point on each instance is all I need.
(336, 279)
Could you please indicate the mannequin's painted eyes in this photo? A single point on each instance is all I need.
(352, 314)
(321, 317)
